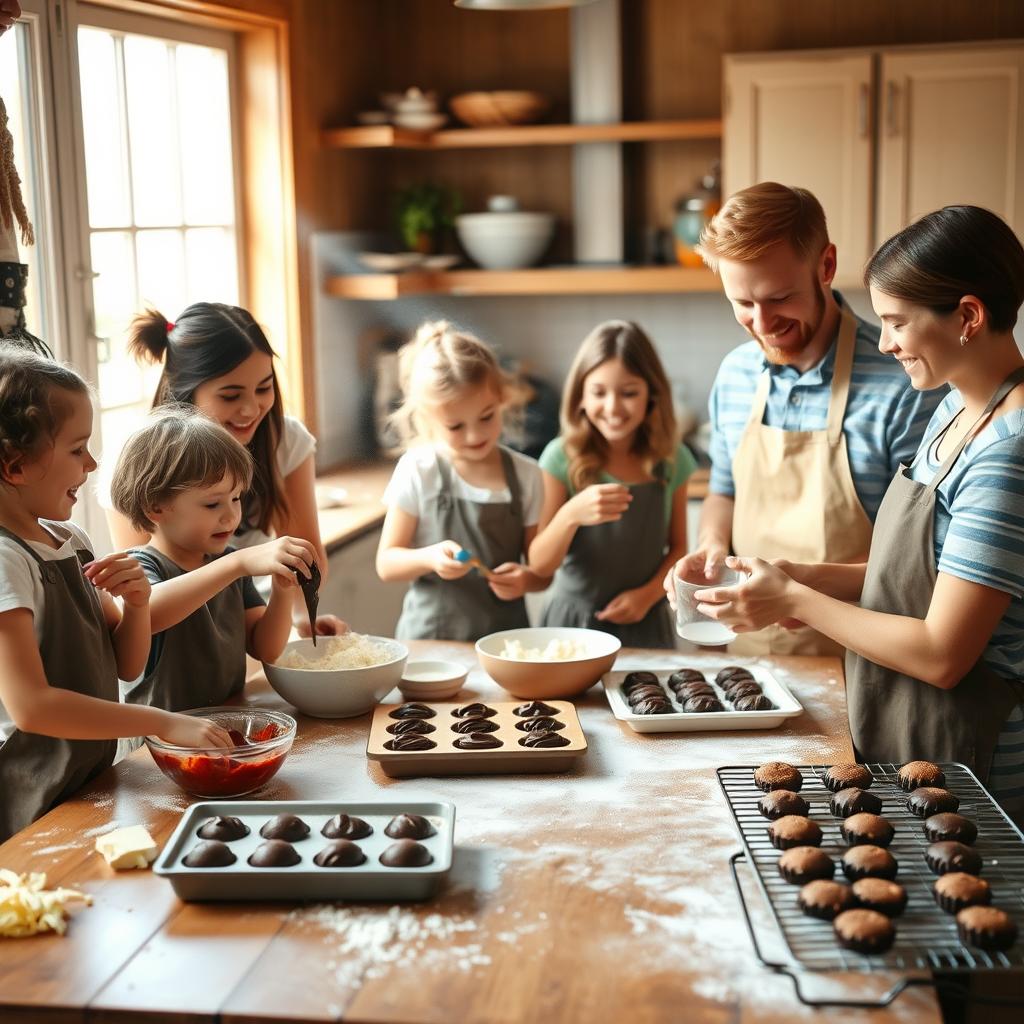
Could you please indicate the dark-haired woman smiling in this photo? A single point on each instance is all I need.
(936, 648)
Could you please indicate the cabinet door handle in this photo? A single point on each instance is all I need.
(863, 108)
(892, 119)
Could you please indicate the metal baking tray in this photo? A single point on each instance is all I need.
(786, 705)
(370, 880)
(447, 759)
(926, 936)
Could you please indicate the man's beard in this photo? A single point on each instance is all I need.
(784, 356)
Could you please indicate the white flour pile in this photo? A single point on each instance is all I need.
(353, 650)
(556, 650)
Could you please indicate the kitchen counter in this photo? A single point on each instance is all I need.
(601, 895)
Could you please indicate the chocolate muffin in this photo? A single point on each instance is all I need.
(886, 897)
(780, 802)
(863, 828)
(864, 931)
(685, 675)
(638, 679)
(950, 826)
(842, 776)
(824, 900)
(653, 706)
(753, 702)
(805, 864)
(915, 774)
(868, 862)
(957, 890)
(854, 801)
(793, 830)
(948, 856)
(986, 928)
(928, 800)
(702, 705)
(778, 775)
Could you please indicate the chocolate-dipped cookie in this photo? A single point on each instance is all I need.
(867, 829)
(948, 855)
(478, 741)
(638, 679)
(474, 710)
(413, 710)
(406, 853)
(639, 693)
(734, 690)
(211, 853)
(688, 690)
(793, 830)
(986, 928)
(957, 889)
(864, 931)
(915, 774)
(730, 672)
(685, 675)
(928, 800)
(868, 862)
(879, 894)
(540, 725)
(341, 853)
(854, 801)
(950, 826)
(543, 739)
(753, 702)
(824, 900)
(409, 826)
(653, 706)
(468, 725)
(804, 864)
(536, 708)
(341, 826)
(702, 705)
(411, 727)
(778, 775)
(410, 742)
(274, 853)
(227, 830)
(288, 827)
(843, 776)
(780, 802)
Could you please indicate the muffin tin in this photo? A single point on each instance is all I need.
(926, 936)
(786, 705)
(510, 723)
(370, 880)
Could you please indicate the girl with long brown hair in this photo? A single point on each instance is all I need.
(614, 515)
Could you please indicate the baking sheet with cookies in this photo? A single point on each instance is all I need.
(784, 704)
(926, 935)
(306, 879)
(500, 737)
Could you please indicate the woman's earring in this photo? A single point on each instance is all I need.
(963, 340)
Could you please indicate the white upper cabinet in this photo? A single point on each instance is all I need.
(805, 120)
(951, 129)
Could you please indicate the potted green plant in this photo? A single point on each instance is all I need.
(424, 212)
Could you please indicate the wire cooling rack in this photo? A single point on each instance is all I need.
(926, 936)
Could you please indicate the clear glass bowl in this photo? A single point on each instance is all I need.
(225, 772)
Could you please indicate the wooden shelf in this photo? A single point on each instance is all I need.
(536, 281)
(389, 137)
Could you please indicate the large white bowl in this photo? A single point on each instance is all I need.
(337, 693)
(505, 240)
(548, 680)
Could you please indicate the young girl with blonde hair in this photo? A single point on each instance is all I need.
(457, 488)
(614, 516)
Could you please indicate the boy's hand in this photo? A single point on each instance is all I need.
(185, 731)
(509, 581)
(443, 561)
(120, 575)
(280, 558)
(599, 503)
(326, 625)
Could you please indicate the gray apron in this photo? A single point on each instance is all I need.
(39, 772)
(202, 662)
(466, 609)
(606, 559)
(895, 718)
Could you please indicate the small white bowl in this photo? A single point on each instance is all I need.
(500, 240)
(425, 121)
(432, 680)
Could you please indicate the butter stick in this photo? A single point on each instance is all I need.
(125, 848)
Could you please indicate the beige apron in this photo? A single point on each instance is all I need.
(795, 498)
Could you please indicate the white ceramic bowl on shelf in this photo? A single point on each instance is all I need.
(505, 240)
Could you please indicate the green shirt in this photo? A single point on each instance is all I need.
(553, 460)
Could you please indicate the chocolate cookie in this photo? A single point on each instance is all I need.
(780, 802)
(868, 862)
(778, 775)
(950, 826)
(842, 776)
(863, 828)
(639, 693)
(410, 727)
(285, 826)
(341, 826)
(793, 830)
(543, 739)
(703, 705)
(864, 931)
(225, 829)
(743, 688)
(477, 741)
(410, 742)
(753, 702)
(653, 706)
(274, 853)
(824, 900)
(413, 710)
(928, 800)
(536, 708)
(409, 826)
(886, 897)
(688, 690)
(986, 928)
(949, 856)
(957, 890)
(406, 853)
(729, 672)
(915, 774)
(854, 801)
(638, 679)
(466, 725)
(211, 853)
(685, 675)
(538, 725)
(474, 710)
(342, 853)
(805, 864)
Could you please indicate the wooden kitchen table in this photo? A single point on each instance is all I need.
(599, 895)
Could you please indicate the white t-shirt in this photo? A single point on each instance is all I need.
(416, 483)
(21, 586)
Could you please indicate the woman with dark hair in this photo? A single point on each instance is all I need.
(217, 358)
(936, 647)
